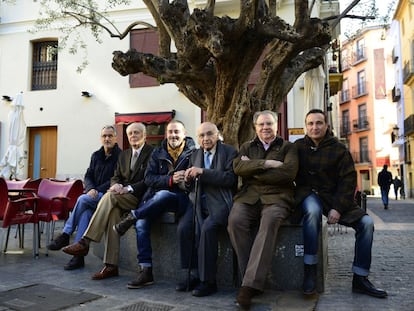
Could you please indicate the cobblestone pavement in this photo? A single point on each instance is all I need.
(392, 269)
(392, 262)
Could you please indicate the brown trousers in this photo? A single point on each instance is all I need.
(255, 250)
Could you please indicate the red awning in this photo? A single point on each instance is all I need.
(145, 117)
(383, 160)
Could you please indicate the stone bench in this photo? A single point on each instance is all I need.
(287, 264)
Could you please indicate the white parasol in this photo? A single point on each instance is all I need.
(17, 134)
(314, 85)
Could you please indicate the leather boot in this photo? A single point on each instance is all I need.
(309, 280)
(122, 227)
(144, 278)
(361, 284)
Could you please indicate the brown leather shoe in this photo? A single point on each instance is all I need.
(106, 272)
(78, 249)
(244, 298)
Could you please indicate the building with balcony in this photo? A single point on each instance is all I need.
(367, 112)
(404, 134)
(65, 110)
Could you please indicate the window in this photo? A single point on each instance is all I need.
(146, 41)
(360, 50)
(345, 123)
(155, 122)
(362, 116)
(363, 147)
(345, 91)
(44, 65)
(361, 87)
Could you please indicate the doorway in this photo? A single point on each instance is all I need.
(42, 152)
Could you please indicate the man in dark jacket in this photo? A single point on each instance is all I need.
(326, 184)
(211, 169)
(97, 182)
(126, 191)
(166, 192)
(267, 166)
(385, 181)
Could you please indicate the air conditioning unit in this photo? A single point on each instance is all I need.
(397, 92)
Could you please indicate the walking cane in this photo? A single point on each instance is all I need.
(193, 225)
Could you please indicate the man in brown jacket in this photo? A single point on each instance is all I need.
(268, 166)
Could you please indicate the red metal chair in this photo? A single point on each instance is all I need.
(18, 211)
(55, 201)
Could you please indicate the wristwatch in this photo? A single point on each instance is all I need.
(130, 189)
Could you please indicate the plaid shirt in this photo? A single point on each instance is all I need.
(328, 171)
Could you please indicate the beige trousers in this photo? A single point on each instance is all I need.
(108, 213)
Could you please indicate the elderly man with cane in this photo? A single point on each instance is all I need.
(212, 183)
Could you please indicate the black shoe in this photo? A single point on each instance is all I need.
(61, 241)
(361, 284)
(185, 286)
(309, 280)
(75, 263)
(385, 206)
(122, 227)
(144, 278)
(204, 289)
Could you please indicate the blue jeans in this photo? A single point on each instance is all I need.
(364, 234)
(150, 210)
(81, 215)
(384, 195)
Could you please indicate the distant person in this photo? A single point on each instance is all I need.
(267, 166)
(325, 185)
(97, 181)
(126, 191)
(385, 181)
(212, 164)
(166, 193)
(397, 185)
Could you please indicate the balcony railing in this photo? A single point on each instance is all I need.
(345, 96)
(359, 55)
(360, 124)
(360, 89)
(396, 94)
(361, 157)
(345, 129)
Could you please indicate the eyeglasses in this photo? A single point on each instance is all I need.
(265, 124)
(208, 134)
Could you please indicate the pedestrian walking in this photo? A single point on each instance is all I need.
(385, 181)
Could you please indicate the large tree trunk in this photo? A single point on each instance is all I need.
(216, 55)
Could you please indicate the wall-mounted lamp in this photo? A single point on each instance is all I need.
(7, 98)
(86, 94)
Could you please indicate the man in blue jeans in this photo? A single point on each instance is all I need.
(166, 192)
(325, 184)
(97, 182)
(385, 181)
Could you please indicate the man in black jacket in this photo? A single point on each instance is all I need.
(97, 182)
(126, 191)
(385, 181)
(212, 166)
(325, 185)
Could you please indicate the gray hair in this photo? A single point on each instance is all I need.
(109, 127)
(140, 125)
(260, 113)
